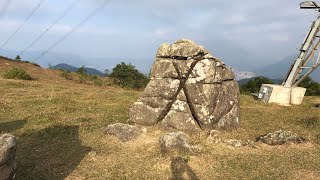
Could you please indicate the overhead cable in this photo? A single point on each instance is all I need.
(69, 8)
(23, 23)
(94, 12)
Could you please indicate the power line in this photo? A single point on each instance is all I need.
(5, 7)
(94, 12)
(50, 27)
(23, 23)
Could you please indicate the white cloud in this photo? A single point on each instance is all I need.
(235, 19)
(280, 38)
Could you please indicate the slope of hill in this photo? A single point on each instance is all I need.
(142, 64)
(40, 74)
(73, 69)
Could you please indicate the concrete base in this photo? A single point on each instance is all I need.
(286, 96)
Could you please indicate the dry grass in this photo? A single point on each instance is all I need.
(59, 125)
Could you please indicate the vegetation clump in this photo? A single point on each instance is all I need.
(17, 73)
(253, 86)
(126, 75)
(313, 88)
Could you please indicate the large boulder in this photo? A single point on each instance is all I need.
(8, 148)
(190, 90)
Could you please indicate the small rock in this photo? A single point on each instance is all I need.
(8, 146)
(233, 142)
(280, 137)
(124, 132)
(239, 143)
(214, 137)
(175, 141)
(197, 148)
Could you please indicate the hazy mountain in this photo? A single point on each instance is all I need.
(243, 74)
(73, 69)
(280, 69)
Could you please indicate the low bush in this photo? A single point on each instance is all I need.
(17, 73)
(126, 75)
(313, 88)
(66, 75)
(253, 86)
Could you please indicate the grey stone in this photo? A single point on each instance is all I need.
(190, 90)
(124, 132)
(163, 68)
(144, 115)
(214, 137)
(8, 146)
(164, 88)
(180, 117)
(175, 141)
(281, 137)
(239, 143)
(181, 48)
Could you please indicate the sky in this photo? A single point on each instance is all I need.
(248, 32)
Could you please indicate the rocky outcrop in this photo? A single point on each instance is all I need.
(8, 148)
(280, 137)
(124, 132)
(189, 90)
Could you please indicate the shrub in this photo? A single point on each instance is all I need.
(81, 79)
(82, 70)
(126, 75)
(17, 73)
(18, 58)
(66, 75)
(254, 85)
(313, 88)
(97, 82)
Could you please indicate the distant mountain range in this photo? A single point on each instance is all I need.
(280, 69)
(73, 69)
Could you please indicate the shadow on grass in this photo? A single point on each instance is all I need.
(52, 153)
(181, 170)
(7, 127)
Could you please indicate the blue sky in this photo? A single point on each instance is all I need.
(255, 32)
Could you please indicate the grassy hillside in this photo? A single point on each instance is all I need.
(59, 125)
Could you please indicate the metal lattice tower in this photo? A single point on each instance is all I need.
(308, 52)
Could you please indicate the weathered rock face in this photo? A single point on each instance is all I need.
(189, 90)
(8, 148)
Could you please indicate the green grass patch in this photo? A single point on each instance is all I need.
(17, 73)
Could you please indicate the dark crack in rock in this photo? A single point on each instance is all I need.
(190, 90)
